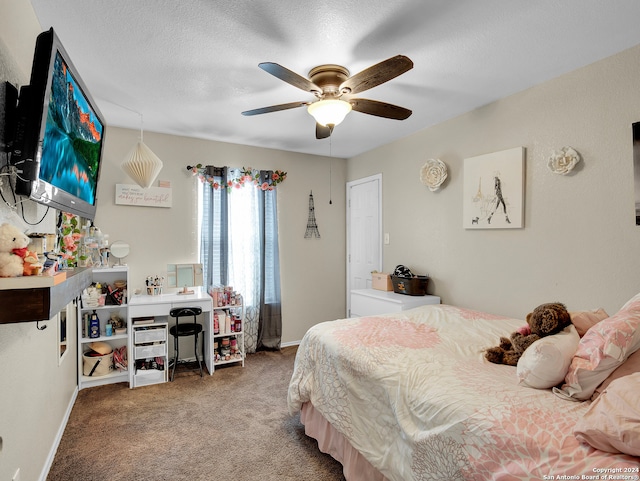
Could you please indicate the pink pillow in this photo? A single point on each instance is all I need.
(602, 349)
(630, 366)
(584, 320)
(612, 422)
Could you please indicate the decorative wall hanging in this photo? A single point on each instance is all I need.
(248, 176)
(494, 190)
(563, 161)
(312, 226)
(433, 173)
(128, 194)
(141, 164)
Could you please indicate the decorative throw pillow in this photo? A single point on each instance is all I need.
(544, 363)
(631, 365)
(584, 320)
(602, 349)
(612, 422)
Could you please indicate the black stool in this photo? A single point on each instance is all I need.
(183, 330)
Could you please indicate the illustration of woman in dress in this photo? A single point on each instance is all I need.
(499, 199)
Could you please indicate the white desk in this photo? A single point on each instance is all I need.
(159, 306)
(370, 302)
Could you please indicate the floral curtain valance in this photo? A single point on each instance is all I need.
(233, 178)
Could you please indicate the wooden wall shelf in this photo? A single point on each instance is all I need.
(38, 298)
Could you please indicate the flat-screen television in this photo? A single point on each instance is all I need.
(60, 135)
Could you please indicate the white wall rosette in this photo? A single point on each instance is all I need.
(433, 174)
(563, 161)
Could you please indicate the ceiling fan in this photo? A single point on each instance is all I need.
(333, 87)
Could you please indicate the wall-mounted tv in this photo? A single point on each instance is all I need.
(60, 134)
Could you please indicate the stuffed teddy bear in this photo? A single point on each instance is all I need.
(545, 320)
(13, 244)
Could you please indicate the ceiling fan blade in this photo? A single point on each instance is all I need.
(377, 74)
(290, 77)
(275, 108)
(380, 109)
(323, 132)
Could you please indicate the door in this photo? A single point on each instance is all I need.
(364, 232)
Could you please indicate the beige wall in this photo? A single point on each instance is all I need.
(312, 270)
(35, 393)
(579, 244)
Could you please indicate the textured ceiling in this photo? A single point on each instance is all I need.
(190, 67)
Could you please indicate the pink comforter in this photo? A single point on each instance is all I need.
(414, 395)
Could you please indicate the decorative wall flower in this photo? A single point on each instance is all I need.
(563, 161)
(433, 174)
(248, 176)
(69, 239)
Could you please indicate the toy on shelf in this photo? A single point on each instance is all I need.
(13, 248)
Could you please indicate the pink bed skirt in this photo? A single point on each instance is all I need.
(354, 466)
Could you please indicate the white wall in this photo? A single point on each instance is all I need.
(579, 244)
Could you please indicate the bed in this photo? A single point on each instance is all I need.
(409, 396)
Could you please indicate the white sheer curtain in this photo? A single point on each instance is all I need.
(239, 247)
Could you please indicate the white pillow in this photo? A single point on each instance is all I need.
(545, 363)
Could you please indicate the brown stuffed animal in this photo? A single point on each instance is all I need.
(545, 320)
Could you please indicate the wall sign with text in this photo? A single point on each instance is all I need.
(131, 194)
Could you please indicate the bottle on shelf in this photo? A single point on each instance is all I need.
(94, 326)
(216, 323)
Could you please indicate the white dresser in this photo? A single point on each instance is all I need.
(370, 302)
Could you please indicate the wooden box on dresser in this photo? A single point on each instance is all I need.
(112, 276)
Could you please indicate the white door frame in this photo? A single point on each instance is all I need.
(371, 178)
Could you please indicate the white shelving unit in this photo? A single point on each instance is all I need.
(149, 345)
(105, 276)
(218, 350)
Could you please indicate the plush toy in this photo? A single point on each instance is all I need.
(31, 264)
(13, 243)
(545, 320)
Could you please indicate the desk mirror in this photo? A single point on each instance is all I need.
(184, 275)
(119, 250)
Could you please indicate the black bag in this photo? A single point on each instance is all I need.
(402, 271)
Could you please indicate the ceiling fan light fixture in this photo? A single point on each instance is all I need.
(329, 112)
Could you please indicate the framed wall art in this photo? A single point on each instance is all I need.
(494, 190)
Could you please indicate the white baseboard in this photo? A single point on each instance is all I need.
(56, 443)
(287, 344)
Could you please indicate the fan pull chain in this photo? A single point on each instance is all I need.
(330, 164)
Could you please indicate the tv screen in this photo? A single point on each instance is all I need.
(61, 136)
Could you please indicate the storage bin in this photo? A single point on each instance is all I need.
(147, 377)
(96, 365)
(381, 281)
(412, 286)
(149, 335)
(150, 350)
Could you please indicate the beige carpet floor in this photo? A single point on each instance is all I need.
(231, 426)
